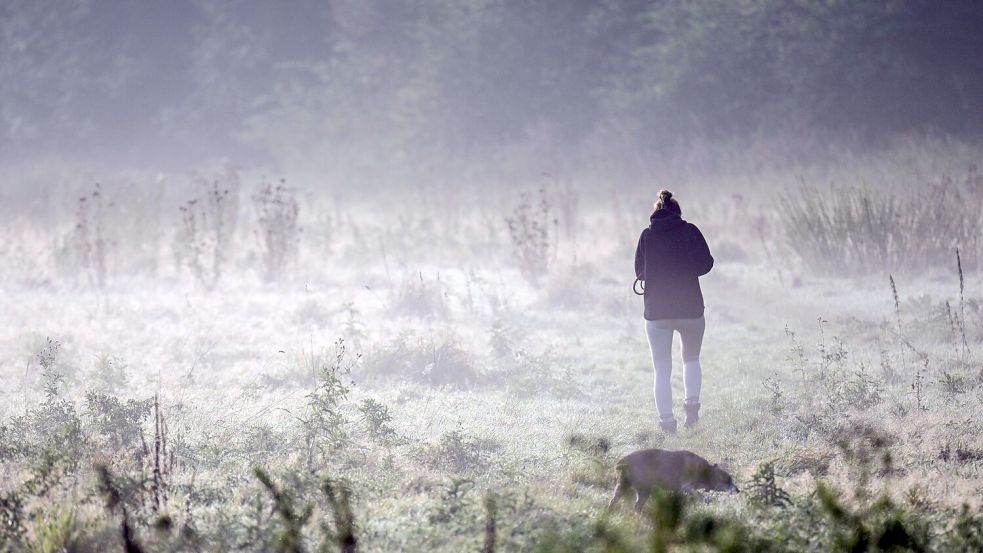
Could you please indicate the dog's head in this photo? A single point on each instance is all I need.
(721, 481)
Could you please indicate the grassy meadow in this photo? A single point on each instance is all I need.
(228, 363)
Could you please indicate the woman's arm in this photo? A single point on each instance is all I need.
(700, 253)
(640, 258)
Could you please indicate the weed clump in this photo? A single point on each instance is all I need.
(325, 423)
(278, 235)
(208, 229)
(459, 452)
(118, 422)
(378, 422)
(435, 361)
(764, 487)
(532, 229)
(89, 240)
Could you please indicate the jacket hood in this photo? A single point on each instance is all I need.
(662, 221)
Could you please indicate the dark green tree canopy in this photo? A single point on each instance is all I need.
(469, 76)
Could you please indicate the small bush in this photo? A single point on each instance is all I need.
(433, 361)
(377, 421)
(459, 452)
(455, 498)
(765, 489)
(777, 399)
(52, 376)
(110, 374)
(325, 424)
(118, 422)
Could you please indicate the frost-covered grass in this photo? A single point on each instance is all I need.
(461, 382)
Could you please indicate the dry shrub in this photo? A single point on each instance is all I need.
(208, 224)
(278, 235)
(89, 241)
(532, 228)
(854, 231)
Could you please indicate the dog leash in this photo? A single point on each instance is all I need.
(635, 287)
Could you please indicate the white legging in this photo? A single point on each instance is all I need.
(660, 341)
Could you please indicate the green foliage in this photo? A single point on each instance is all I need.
(774, 388)
(454, 498)
(965, 533)
(377, 420)
(764, 488)
(434, 486)
(459, 452)
(429, 81)
(51, 376)
(339, 496)
(324, 422)
(660, 72)
(881, 527)
(290, 538)
(58, 531)
(337, 535)
(111, 374)
(117, 421)
(12, 519)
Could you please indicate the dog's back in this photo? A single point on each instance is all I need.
(670, 470)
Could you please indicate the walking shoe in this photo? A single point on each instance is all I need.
(692, 414)
(668, 426)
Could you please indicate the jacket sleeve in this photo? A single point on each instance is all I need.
(640, 258)
(700, 253)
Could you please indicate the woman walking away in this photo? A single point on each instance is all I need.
(671, 256)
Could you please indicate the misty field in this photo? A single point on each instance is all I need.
(231, 363)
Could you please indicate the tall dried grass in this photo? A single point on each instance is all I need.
(854, 231)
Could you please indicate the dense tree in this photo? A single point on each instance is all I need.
(363, 78)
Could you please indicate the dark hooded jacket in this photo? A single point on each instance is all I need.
(671, 257)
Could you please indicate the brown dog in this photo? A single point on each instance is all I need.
(682, 471)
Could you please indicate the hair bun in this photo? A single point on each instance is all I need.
(667, 203)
